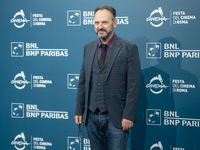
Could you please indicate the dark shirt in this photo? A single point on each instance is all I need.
(108, 48)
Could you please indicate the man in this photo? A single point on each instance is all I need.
(109, 85)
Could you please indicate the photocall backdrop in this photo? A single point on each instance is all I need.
(41, 54)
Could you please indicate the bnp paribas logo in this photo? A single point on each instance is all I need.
(73, 143)
(153, 117)
(153, 50)
(73, 17)
(17, 110)
(72, 81)
(17, 49)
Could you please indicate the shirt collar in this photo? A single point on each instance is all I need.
(110, 42)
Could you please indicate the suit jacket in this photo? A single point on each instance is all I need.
(122, 81)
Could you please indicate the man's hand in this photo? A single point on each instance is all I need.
(127, 124)
(78, 119)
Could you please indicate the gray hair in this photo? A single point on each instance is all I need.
(109, 8)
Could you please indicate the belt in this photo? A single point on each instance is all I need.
(98, 111)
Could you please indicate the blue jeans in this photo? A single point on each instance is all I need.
(103, 134)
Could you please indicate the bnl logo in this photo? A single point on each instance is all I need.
(73, 17)
(72, 81)
(17, 110)
(17, 49)
(73, 143)
(153, 117)
(153, 50)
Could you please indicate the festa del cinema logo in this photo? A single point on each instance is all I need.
(20, 81)
(72, 81)
(74, 18)
(33, 50)
(156, 146)
(159, 146)
(157, 17)
(19, 20)
(20, 142)
(180, 17)
(156, 85)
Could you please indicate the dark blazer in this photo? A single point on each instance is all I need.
(122, 81)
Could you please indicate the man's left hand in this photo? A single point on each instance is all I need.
(127, 124)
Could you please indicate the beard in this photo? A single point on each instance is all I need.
(102, 35)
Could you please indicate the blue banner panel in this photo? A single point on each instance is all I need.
(41, 55)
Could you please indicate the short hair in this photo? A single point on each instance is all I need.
(109, 8)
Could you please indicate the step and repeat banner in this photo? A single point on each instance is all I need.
(41, 54)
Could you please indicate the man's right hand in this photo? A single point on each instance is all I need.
(78, 119)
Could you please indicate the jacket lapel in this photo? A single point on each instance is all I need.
(117, 44)
(90, 58)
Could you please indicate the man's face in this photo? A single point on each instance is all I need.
(104, 24)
